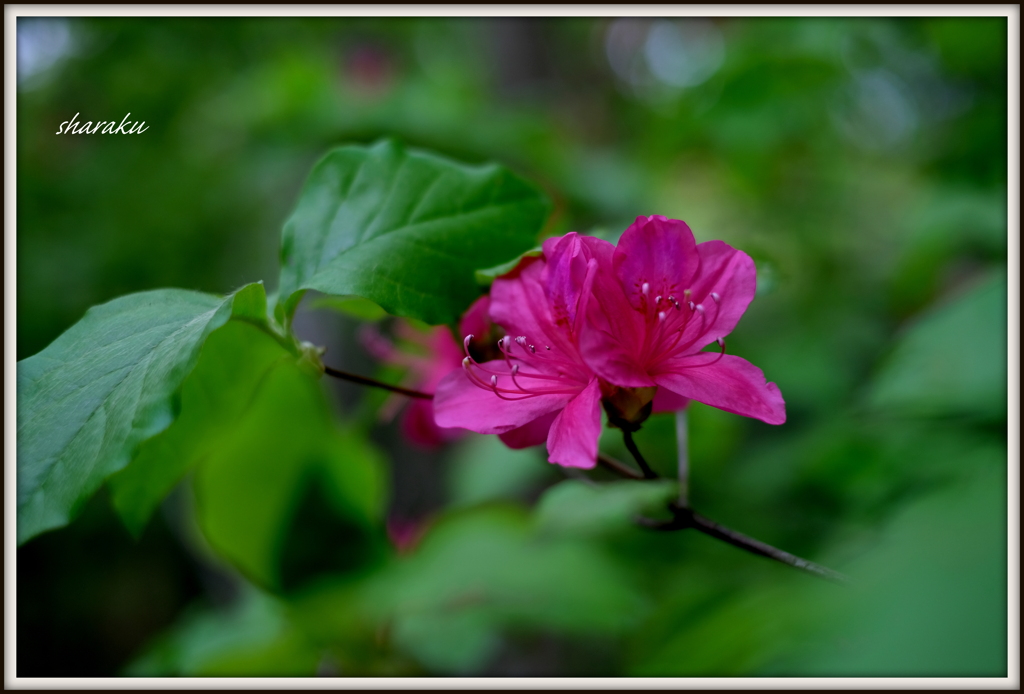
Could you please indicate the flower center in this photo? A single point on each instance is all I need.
(627, 408)
(529, 370)
(669, 321)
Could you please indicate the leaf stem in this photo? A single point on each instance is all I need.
(627, 437)
(363, 380)
(684, 518)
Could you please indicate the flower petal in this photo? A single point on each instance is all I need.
(660, 253)
(565, 274)
(419, 427)
(476, 320)
(458, 402)
(572, 440)
(531, 434)
(730, 383)
(731, 275)
(667, 401)
(612, 338)
(520, 305)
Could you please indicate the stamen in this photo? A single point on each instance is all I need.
(691, 305)
(700, 308)
(645, 288)
(661, 316)
(533, 350)
(547, 348)
(465, 344)
(714, 295)
(657, 299)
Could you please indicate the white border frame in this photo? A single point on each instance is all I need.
(1011, 12)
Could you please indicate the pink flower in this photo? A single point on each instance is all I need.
(539, 389)
(659, 300)
(436, 355)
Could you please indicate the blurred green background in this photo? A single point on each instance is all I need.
(862, 163)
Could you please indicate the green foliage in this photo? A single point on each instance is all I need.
(486, 276)
(952, 360)
(232, 368)
(249, 487)
(404, 229)
(485, 469)
(482, 571)
(109, 382)
(576, 508)
(253, 636)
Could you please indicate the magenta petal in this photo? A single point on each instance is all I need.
(476, 320)
(667, 401)
(572, 440)
(730, 383)
(613, 339)
(419, 427)
(603, 350)
(460, 403)
(565, 274)
(520, 305)
(658, 252)
(532, 434)
(731, 276)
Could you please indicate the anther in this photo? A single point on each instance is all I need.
(547, 348)
(721, 342)
(465, 343)
(691, 305)
(494, 381)
(661, 316)
(645, 288)
(714, 295)
(533, 350)
(657, 299)
(515, 370)
(700, 308)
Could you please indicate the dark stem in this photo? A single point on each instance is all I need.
(363, 380)
(627, 436)
(687, 518)
(621, 468)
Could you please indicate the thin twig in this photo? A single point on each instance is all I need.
(627, 436)
(619, 467)
(363, 380)
(686, 518)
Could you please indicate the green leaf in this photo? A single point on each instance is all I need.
(252, 638)
(354, 306)
(486, 277)
(232, 365)
(105, 385)
(576, 508)
(952, 360)
(484, 468)
(251, 483)
(477, 573)
(405, 229)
